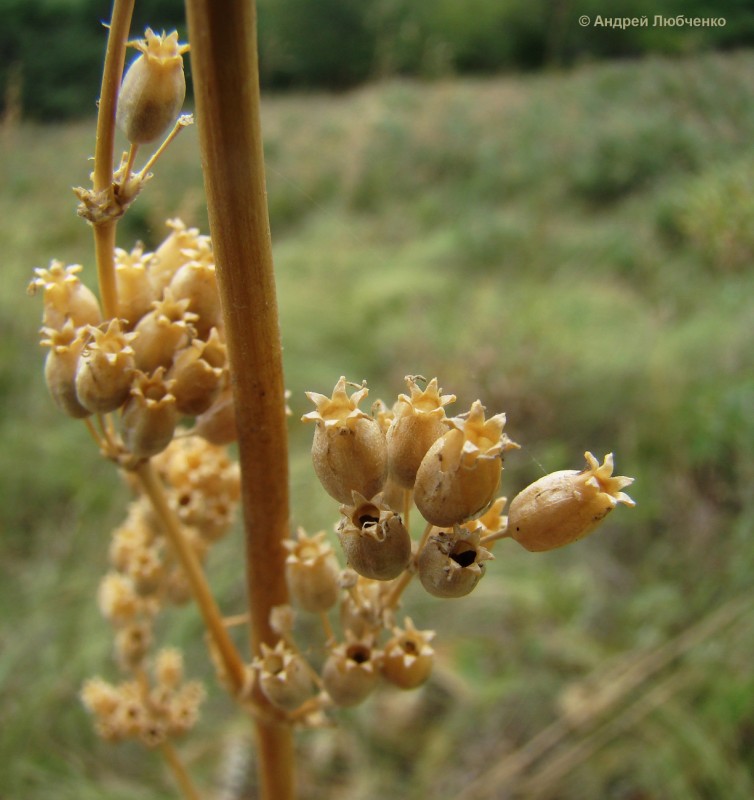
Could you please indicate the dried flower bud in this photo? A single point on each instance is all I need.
(451, 563)
(418, 423)
(565, 506)
(135, 292)
(311, 572)
(196, 382)
(351, 672)
(163, 331)
(103, 379)
(61, 366)
(65, 296)
(408, 656)
(460, 473)
(283, 676)
(150, 416)
(374, 539)
(349, 452)
(171, 254)
(153, 89)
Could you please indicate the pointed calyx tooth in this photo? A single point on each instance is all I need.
(566, 505)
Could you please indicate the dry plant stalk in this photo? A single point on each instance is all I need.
(179, 357)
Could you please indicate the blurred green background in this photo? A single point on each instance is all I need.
(488, 197)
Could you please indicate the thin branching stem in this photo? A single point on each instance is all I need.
(177, 767)
(213, 619)
(104, 232)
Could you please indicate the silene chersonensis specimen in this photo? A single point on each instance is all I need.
(178, 356)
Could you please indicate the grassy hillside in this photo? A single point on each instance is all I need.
(575, 249)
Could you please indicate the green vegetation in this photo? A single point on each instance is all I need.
(574, 249)
(336, 44)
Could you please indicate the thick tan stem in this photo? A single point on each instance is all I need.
(226, 89)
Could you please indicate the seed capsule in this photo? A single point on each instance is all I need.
(351, 672)
(217, 424)
(567, 505)
(408, 656)
(65, 296)
(418, 423)
(163, 331)
(283, 677)
(150, 416)
(153, 88)
(197, 382)
(460, 473)
(311, 572)
(103, 379)
(451, 563)
(171, 255)
(61, 365)
(374, 539)
(196, 282)
(135, 293)
(349, 452)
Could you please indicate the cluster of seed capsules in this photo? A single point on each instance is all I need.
(161, 357)
(134, 379)
(378, 466)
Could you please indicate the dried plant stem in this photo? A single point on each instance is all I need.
(104, 232)
(231, 659)
(180, 774)
(226, 84)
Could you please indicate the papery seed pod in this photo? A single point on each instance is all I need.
(451, 563)
(196, 281)
(311, 572)
(106, 367)
(168, 668)
(61, 366)
(349, 452)
(161, 332)
(283, 677)
(153, 88)
(134, 288)
(374, 539)
(196, 382)
(418, 423)
(408, 656)
(171, 255)
(150, 416)
(351, 672)
(567, 505)
(460, 473)
(65, 296)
